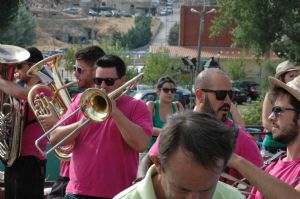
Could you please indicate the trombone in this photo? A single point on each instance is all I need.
(95, 105)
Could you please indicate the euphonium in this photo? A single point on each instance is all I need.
(11, 113)
(51, 96)
(96, 106)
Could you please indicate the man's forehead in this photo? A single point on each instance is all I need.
(282, 99)
(219, 81)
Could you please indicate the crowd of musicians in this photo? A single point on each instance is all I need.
(155, 149)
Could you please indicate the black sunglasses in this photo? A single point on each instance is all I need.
(220, 94)
(277, 110)
(20, 65)
(108, 81)
(167, 90)
(77, 69)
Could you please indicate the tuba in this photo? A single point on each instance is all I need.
(11, 113)
(95, 105)
(51, 95)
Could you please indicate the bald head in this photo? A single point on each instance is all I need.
(207, 77)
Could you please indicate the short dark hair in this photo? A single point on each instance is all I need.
(110, 61)
(163, 80)
(201, 135)
(35, 55)
(89, 54)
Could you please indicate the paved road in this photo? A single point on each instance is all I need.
(167, 23)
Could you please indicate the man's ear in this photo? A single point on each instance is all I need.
(199, 95)
(156, 161)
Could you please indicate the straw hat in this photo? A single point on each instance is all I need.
(284, 67)
(292, 87)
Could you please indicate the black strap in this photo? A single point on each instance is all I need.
(274, 158)
(27, 122)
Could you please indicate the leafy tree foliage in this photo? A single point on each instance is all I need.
(8, 10)
(21, 31)
(236, 69)
(257, 24)
(160, 64)
(174, 35)
(138, 36)
(252, 114)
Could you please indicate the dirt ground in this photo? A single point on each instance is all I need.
(52, 23)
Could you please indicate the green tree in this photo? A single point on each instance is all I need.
(21, 31)
(174, 35)
(256, 24)
(69, 57)
(8, 10)
(235, 69)
(160, 64)
(138, 36)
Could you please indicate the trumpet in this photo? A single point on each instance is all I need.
(53, 95)
(95, 105)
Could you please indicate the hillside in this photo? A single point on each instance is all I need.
(54, 24)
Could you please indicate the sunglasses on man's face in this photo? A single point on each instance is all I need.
(277, 110)
(78, 69)
(19, 66)
(220, 94)
(167, 90)
(108, 81)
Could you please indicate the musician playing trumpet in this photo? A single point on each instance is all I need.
(31, 165)
(105, 156)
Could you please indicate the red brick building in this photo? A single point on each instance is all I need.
(189, 29)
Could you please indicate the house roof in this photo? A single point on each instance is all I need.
(207, 52)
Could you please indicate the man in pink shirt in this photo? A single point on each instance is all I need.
(105, 156)
(213, 93)
(281, 179)
(84, 70)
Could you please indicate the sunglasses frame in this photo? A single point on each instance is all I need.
(277, 110)
(19, 66)
(217, 93)
(78, 69)
(98, 81)
(167, 90)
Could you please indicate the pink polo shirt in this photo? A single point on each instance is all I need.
(103, 164)
(286, 171)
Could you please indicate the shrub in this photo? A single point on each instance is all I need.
(252, 113)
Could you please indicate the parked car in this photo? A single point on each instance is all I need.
(182, 95)
(239, 96)
(250, 86)
(123, 13)
(169, 10)
(106, 13)
(92, 12)
(163, 11)
(72, 10)
(145, 95)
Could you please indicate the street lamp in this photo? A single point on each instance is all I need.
(202, 14)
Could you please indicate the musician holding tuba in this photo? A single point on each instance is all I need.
(25, 177)
(84, 71)
(105, 156)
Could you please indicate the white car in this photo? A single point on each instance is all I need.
(73, 10)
